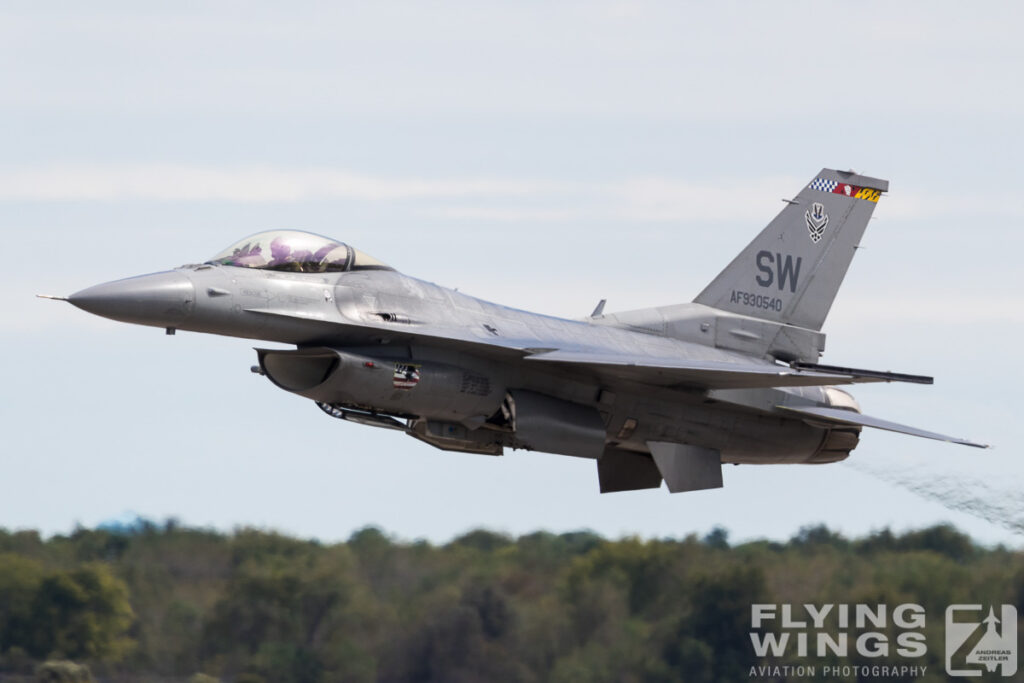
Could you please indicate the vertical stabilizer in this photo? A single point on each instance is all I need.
(792, 270)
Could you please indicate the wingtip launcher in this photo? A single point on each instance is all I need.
(881, 375)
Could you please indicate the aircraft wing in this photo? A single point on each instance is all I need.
(607, 364)
(848, 417)
(702, 374)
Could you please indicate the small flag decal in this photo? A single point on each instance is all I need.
(407, 375)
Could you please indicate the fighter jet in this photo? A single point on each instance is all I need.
(669, 393)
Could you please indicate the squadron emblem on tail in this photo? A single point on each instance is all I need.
(817, 221)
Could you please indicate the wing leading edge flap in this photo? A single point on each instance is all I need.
(499, 346)
(837, 415)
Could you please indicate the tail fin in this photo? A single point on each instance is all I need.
(791, 272)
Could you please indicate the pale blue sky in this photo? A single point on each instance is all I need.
(536, 154)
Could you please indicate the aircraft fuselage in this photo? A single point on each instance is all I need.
(369, 316)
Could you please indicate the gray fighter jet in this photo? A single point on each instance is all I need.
(660, 393)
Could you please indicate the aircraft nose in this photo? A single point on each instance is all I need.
(160, 299)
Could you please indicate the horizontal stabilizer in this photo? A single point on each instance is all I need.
(848, 417)
(704, 374)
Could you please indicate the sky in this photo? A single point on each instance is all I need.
(541, 155)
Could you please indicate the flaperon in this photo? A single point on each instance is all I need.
(661, 393)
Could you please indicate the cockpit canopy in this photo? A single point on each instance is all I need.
(295, 251)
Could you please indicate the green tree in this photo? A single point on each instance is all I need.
(20, 578)
(83, 613)
(63, 672)
(279, 610)
(719, 622)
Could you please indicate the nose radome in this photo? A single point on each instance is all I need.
(161, 299)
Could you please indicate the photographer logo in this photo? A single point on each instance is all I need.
(976, 643)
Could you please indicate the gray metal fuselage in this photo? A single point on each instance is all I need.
(390, 317)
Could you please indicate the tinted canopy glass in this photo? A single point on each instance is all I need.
(297, 252)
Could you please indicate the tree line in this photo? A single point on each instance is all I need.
(162, 602)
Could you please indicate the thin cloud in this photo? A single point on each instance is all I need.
(647, 199)
(167, 182)
(918, 205)
(949, 306)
